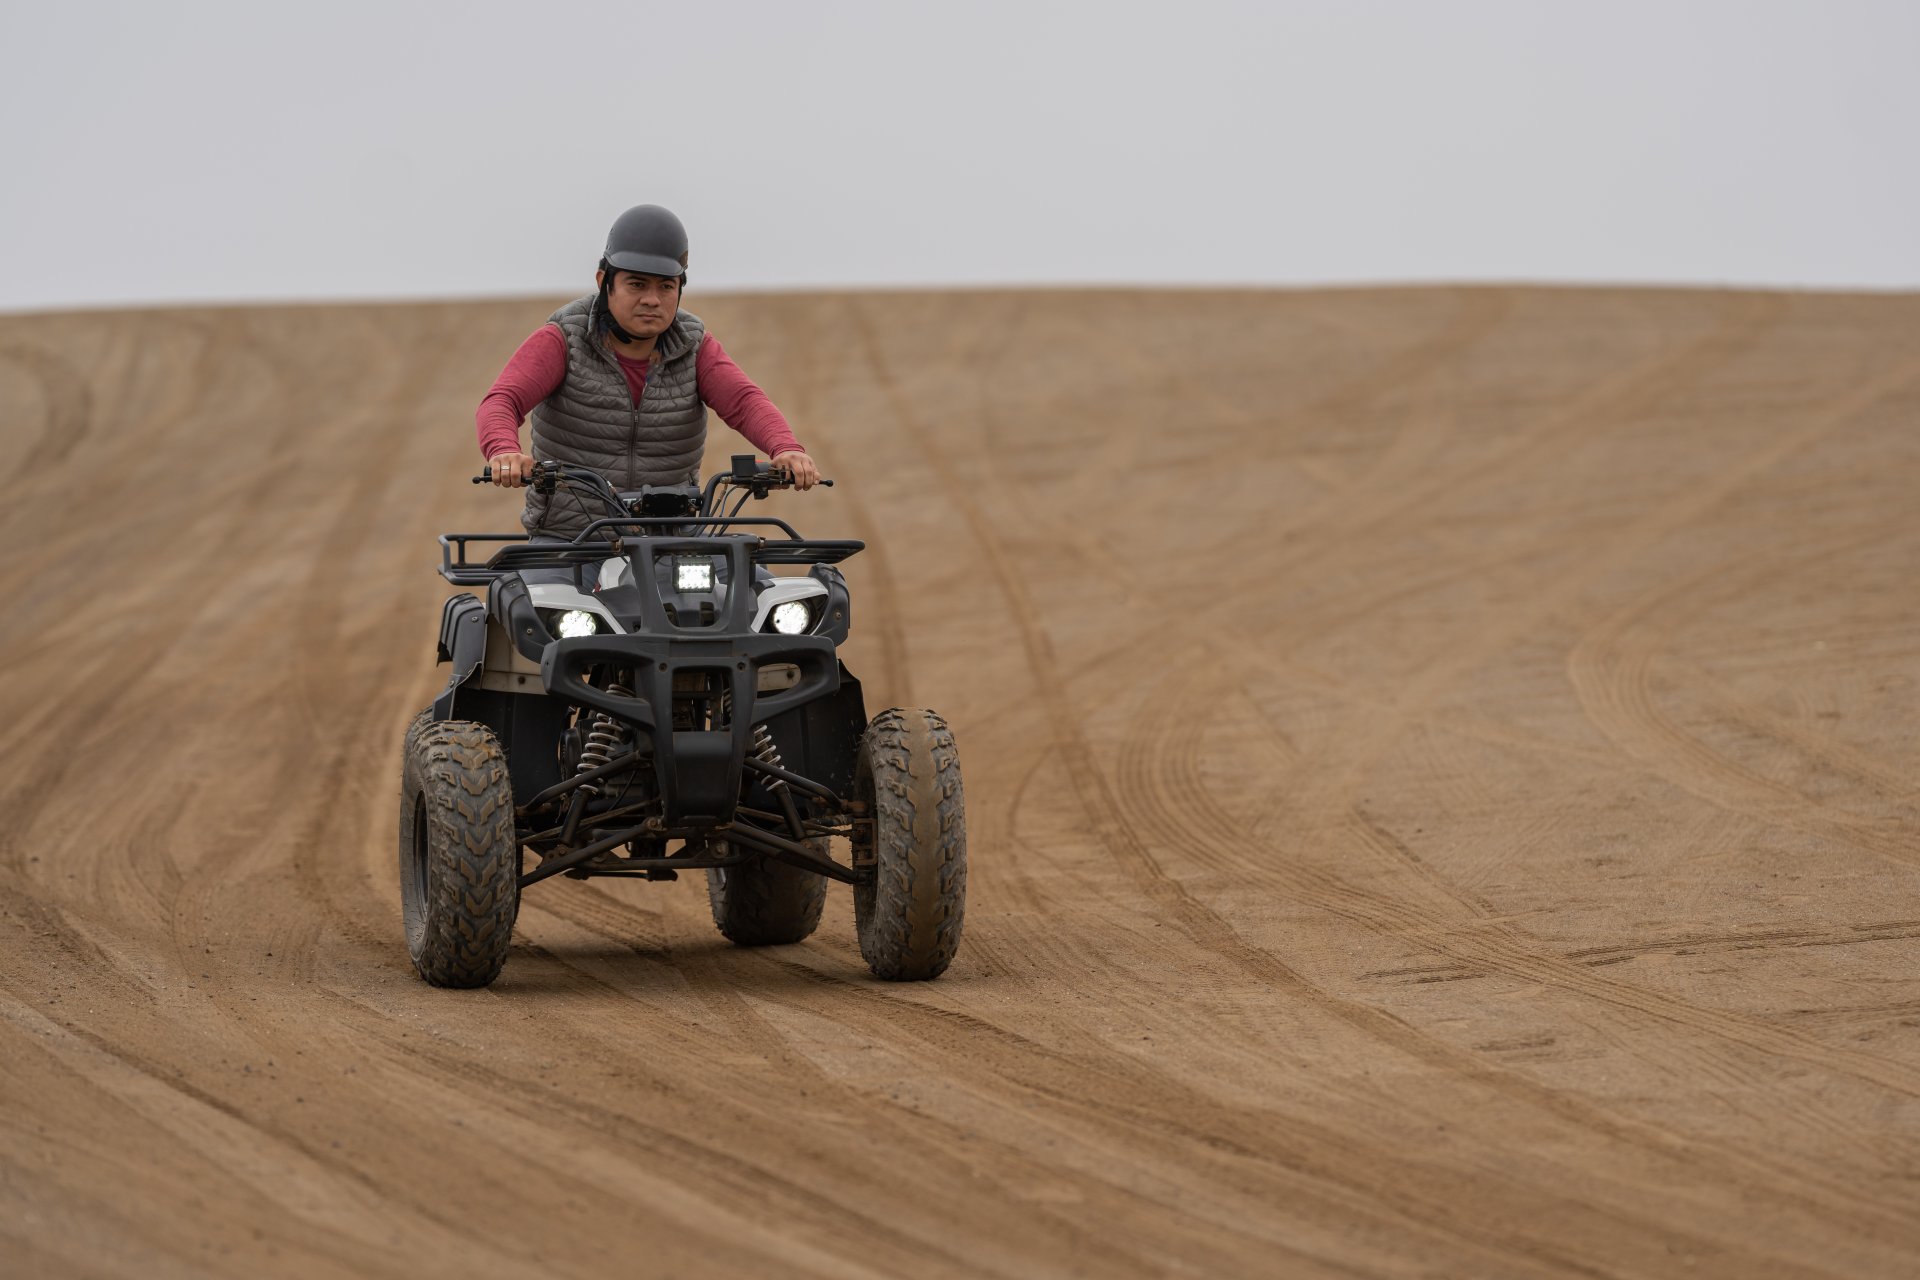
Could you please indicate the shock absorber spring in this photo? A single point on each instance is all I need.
(606, 739)
(766, 753)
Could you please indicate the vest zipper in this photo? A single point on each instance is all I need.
(633, 432)
(633, 442)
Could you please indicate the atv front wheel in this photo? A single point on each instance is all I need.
(908, 777)
(459, 859)
(765, 903)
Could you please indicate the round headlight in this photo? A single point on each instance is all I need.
(576, 622)
(791, 618)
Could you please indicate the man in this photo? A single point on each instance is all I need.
(621, 381)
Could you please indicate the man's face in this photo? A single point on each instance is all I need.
(644, 305)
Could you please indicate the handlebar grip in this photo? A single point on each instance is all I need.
(775, 469)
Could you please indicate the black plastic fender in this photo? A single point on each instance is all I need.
(837, 617)
(463, 642)
(513, 605)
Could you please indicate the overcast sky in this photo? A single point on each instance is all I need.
(157, 152)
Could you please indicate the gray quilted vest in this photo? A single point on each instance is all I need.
(591, 420)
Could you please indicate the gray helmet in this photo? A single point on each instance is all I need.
(647, 239)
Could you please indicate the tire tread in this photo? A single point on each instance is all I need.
(766, 903)
(909, 919)
(458, 771)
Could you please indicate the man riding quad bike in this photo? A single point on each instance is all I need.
(646, 695)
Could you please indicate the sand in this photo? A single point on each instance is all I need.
(1441, 771)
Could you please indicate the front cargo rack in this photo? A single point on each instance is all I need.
(601, 541)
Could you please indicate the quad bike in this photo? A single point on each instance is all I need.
(650, 698)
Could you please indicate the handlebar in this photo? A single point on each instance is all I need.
(767, 478)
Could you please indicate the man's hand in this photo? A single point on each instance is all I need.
(802, 468)
(510, 470)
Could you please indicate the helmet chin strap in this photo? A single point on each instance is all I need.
(606, 308)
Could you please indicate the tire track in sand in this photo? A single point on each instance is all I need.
(1611, 670)
(1105, 815)
(1162, 783)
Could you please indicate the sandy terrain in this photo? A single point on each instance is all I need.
(1442, 791)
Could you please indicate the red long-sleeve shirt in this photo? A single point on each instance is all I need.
(540, 365)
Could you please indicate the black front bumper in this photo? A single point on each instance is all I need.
(698, 771)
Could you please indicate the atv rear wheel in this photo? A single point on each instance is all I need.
(765, 903)
(459, 858)
(908, 777)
